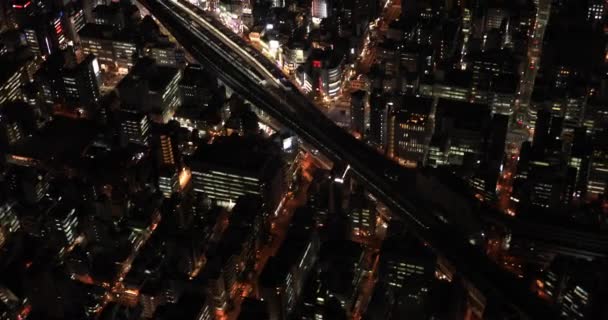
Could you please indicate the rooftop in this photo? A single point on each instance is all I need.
(105, 32)
(62, 141)
(251, 155)
(146, 70)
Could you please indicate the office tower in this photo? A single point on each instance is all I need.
(166, 54)
(321, 9)
(77, 21)
(405, 279)
(598, 174)
(497, 137)
(502, 94)
(197, 86)
(167, 150)
(11, 132)
(282, 279)
(295, 54)
(9, 221)
(574, 108)
(34, 184)
(410, 129)
(168, 181)
(24, 11)
(548, 185)
(404, 261)
(357, 112)
(580, 159)
(596, 10)
(112, 14)
(75, 85)
(363, 11)
(323, 73)
(64, 223)
(253, 309)
(13, 75)
(114, 49)
(488, 66)
(278, 3)
(494, 18)
(151, 89)
(10, 304)
(465, 126)
(82, 84)
(574, 286)
(547, 132)
(378, 117)
(234, 256)
(451, 85)
(134, 127)
(58, 26)
(342, 266)
(362, 215)
(235, 166)
(235, 251)
(45, 29)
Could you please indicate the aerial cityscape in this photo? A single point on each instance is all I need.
(303, 159)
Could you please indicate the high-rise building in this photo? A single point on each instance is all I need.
(378, 119)
(596, 10)
(278, 3)
(598, 173)
(362, 11)
(362, 215)
(167, 150)
(357, 112)
(63, 81)
(494, 18)
(168, 55)
(151, 89)
(321, 9)
(547, 131)
(77, 21)
(235, 166)
(64, 223)
(10, 132)
(13, 75)
(410, 127)
(114, 49)
(10, 304)
(82, 83)
(403, 260)
(580, 158)
(284, 275)
(134, 127)
(9, 221)
(24, 11)
(168, 181)
(196, 86)
(465, 126)
(45, 25)
(575, 286)
(322, 74)
(488, 66)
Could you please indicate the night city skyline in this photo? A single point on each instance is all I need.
(303, 159)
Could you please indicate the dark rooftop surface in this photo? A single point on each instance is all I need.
(247, 154)
(465, 115)
(11, 62)
(62, 141)
(105, 32)
(146, 70)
